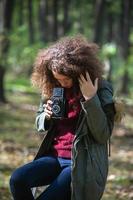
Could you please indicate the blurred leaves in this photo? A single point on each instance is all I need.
(109, 49)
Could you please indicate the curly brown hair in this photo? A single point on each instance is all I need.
(70, 56)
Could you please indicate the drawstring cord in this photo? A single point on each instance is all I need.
(109, 147)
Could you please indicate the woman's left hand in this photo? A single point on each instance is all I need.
(86, 86)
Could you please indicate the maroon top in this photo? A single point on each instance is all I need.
(65, 128)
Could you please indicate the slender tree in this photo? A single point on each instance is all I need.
(55, 19)
(6, 10)
(43, 12)
(110, 38)
(20, 12)
(99, 20)
(66, 21)
(125, 33)
(30, 22)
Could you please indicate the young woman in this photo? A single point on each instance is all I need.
(73, 157)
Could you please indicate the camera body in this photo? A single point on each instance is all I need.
(59, 103)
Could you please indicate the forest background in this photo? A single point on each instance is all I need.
(29, 25)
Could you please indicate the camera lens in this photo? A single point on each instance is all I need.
(56, 109)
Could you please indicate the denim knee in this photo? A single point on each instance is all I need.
(16, 177)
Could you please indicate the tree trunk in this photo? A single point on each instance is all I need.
(2, 89)
(20, 12)
(55, 20)
(110, 22)
(66, 24)
(125, 82)
(99, 20)
(6, 10)
(81, 26)
(125, 30)
(43, 20)
(30, 22)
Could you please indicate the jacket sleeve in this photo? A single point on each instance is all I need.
(100, 112)
(42, 124)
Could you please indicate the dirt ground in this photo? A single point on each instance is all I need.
(18, 145)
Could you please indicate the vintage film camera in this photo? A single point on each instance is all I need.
(59, 103)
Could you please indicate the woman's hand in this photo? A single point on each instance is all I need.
(48, 109)
(86, 86)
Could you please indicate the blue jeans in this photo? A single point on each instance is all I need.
(48, 170)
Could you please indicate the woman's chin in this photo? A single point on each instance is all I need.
(68, 87)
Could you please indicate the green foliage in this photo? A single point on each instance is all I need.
(18, 84)
(109, 50)
(81, 20)
(114, 7)
(22, 54)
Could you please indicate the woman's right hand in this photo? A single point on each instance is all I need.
(48, 109)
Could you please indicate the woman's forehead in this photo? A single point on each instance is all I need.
(59, 76)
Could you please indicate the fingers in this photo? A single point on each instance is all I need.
(82, 79)
(49, 103)
(48, 109)
(88, 79)
(88, 76)
(87, 87)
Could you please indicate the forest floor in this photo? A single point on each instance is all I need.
(19, 143)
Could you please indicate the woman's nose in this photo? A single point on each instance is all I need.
(63, 84)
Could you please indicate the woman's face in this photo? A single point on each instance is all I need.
(64, 81)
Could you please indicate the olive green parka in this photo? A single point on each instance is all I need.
(90, 149)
